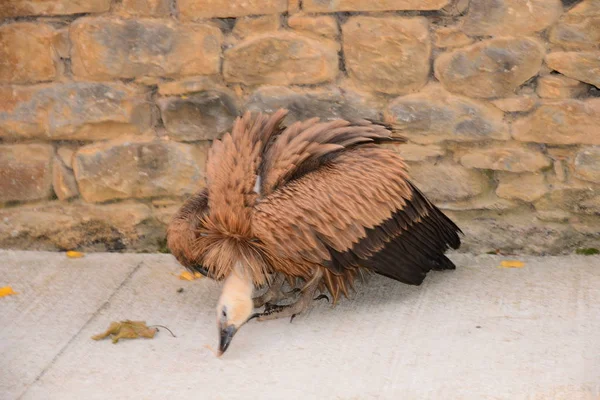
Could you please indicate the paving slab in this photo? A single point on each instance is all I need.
(480, 332)
(56, 297)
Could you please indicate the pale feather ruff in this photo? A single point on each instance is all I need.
(220, 251)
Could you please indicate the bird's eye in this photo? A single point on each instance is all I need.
(224, 313)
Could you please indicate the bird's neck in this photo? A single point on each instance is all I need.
(239, 282)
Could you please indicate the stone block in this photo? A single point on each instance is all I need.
(509, 158)
(388, 55)
(106, 48)
(561, 122)
(434, 115)
(491, 68)
(77, 225)
(525, 187)
(282, 58)
(197, 9)
(248, 26)
(583, 66)
(27, 53)
(200, 116)
(318, 25)
(560, 87)
(138, 169)
(25, 172)
(512, 17)
(63, 180)
(579, 28)
(587, 163)
(145, 8)
(445, 181)
(23, 8)
(326, 103)
(73, 111)
(315, 6)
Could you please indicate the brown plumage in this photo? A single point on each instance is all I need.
(320, 201)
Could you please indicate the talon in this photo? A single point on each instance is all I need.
(321, 297)
(293, 291)
(269, 307)
(292, 318)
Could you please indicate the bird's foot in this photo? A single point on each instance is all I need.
(274, 311)
(274, 293)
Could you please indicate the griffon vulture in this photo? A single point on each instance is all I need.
(315, 202)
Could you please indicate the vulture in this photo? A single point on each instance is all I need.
(316, 203)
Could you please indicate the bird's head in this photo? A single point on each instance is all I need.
(235, 306)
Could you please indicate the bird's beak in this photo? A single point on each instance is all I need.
(225, 335)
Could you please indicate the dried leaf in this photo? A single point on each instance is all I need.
(7, 291)
(74, 254)
(127, 330)
(188, 276)
(512, 264)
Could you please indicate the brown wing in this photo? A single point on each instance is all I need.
(304, 146)
(183, 228)
(358, 209)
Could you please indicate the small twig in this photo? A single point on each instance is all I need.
(162, 326)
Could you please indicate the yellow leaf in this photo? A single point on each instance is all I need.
(74, 254)
(512, 264)
(127, 330)
(186, 276)
(6, 291)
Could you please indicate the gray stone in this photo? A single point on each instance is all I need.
(189, 85)
(73, 111)
(22, 8)
(579, 28)
(106, 48)
(513, 232)
(581, 201)
(510, 17)
(139, 169)
(434, 115)
(326, 103)
(200, 116)
(491, 68)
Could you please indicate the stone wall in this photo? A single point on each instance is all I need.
(107, 107)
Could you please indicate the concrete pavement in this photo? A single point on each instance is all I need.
(480, 332)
